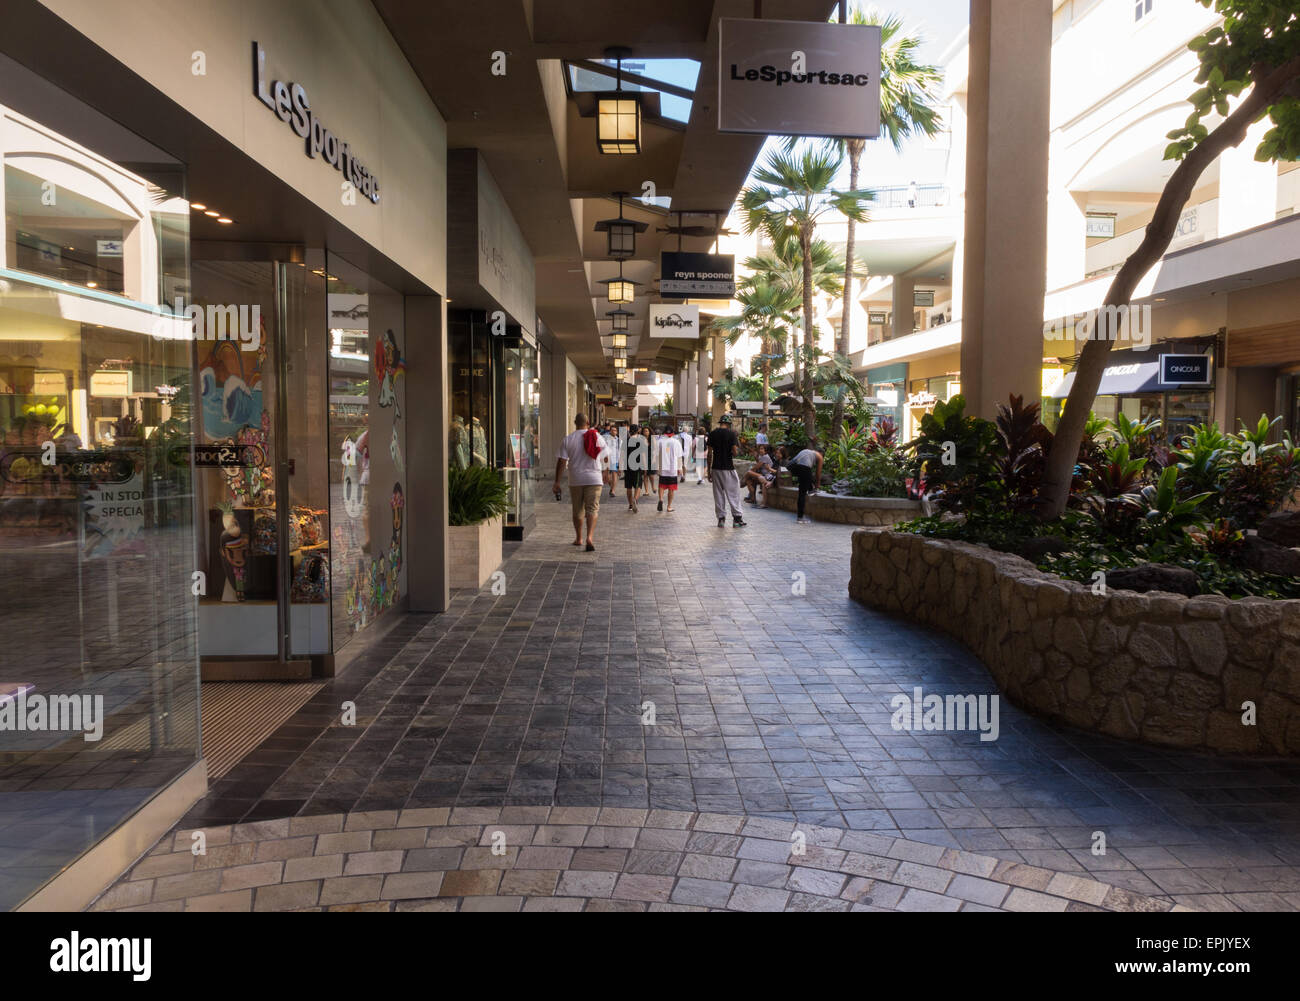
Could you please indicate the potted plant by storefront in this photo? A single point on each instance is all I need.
(477, 500)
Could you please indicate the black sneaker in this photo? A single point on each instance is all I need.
(661, 505)
(739, 523)
(722, 522)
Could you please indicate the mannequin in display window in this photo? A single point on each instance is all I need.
(479, 435)
(459, 442)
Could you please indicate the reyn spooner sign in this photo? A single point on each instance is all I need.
(291, 105)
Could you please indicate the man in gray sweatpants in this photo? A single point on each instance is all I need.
(723, 446)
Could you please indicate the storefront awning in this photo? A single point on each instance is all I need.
(1131, 373)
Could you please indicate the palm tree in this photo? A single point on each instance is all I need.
(767, 309)
(783, 265)
(790, 192)
(908, 92)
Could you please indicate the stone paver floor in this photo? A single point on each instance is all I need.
(770, 692)
(539, 858)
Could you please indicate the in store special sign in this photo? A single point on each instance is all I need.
(668, 320)
(709, 275)
(1186, 370)
(291, 105)
(799, 78)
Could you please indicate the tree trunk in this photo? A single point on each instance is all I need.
(1088, 371)
(809, 407)
(767, 376)
(855, 159)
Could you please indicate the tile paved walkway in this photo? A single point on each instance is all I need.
(540, 858)
(770, 692)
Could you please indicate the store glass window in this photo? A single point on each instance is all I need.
(520, 395)
(471, 433)
(368, 445)
(98, 678)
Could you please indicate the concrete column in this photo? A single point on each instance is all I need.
(686, 404)
(555, 417)
(719, 367)
(903, 305)
(1005, 266)
(703, 395)
(426, 453)
(1247, 190)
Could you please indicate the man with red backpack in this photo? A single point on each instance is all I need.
(582, 451)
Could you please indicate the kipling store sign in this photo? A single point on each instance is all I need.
(291, 105)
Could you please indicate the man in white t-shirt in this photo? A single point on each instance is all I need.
(669, 453)
(701, 457)
(610, 462)
(586, 477)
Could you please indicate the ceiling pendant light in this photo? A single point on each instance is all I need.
(619, 290)
(618, 114)
(621, 232)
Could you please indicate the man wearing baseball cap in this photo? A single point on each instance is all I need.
(722, 448)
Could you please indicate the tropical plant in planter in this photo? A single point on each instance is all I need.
(475, 494)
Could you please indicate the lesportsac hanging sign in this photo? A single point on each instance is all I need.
(290, 103)
(799, 78)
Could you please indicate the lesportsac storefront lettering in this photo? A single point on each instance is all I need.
(824, 78)
(290, 103)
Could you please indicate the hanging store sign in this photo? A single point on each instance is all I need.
(923, 298)
(667, 320)
(877, 318)
(291, 105)
(710, 275)
(1186, 370)
(798, 78)
(1100, 225)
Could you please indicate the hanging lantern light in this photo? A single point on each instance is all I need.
(618, 319)
(619, 290)
(618, 114)
(621, 232)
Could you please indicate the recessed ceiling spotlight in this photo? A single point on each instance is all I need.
(92, 284)
(225, 220)
(197, 206)
(209, 212)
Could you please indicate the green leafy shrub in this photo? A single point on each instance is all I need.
(475, 494)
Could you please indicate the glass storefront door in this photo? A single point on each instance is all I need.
(262, 500)
(366, 447)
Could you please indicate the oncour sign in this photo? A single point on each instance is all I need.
(799, 78)
(1186, 370)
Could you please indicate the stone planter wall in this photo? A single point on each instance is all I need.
(474, 551)
(1154, 667)
(848, 510)
(841, 509)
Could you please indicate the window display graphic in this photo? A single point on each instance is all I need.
(388, 366)
(231, 394)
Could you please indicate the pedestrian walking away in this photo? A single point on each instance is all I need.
(612, 461)
(802, 468)
(722, 448)
(582, 451)
(635, 459)
(669, 454)
(701, 457)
